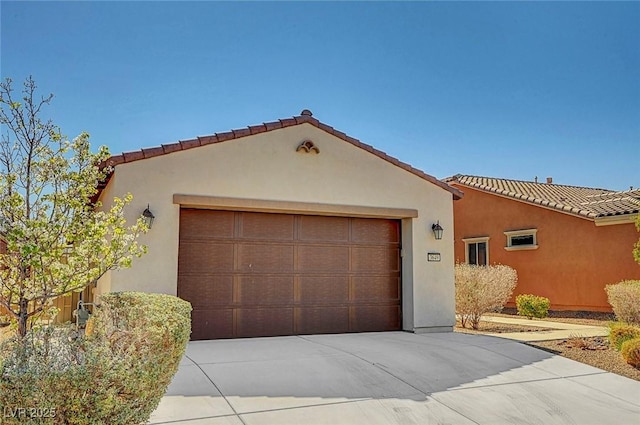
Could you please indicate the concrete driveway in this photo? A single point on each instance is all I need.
(390, 378)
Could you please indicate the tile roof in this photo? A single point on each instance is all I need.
(581, 201)
(304, 117)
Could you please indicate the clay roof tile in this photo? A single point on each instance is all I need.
(584, 202)
(304, 117)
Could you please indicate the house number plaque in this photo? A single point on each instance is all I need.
(433, 256)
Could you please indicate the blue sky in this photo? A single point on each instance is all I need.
(511, 90)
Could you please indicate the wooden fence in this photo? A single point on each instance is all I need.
(66, 304)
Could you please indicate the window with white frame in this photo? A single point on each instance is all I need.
(518, 240)
(476, 250)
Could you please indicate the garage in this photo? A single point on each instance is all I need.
(250, 274)
(288, 227)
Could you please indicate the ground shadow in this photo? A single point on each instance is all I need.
(454, 374)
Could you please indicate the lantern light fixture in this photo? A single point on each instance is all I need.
(437, 230)
(148, 217)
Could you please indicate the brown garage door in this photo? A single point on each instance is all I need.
(257, 274)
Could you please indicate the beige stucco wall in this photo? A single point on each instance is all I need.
(266, 166)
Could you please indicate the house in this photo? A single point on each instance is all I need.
(566, 242)
(289, 227)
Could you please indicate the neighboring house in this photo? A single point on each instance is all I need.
(566, 243)
(289, 227)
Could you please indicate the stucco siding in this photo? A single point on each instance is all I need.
(107, 195)
(575, 258)
(266, 166)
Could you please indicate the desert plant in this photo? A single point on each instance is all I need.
(481, 289)
(624, 297)
(532, 306)
(578, 341)
(115, 376)
(619, 332)
(54, 241)
(630, 351)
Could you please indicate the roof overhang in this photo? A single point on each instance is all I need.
(616, 219)
(304, 118)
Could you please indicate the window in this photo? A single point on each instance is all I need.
(477, 250)
(518, 240)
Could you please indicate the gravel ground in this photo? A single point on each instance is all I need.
(592, 351)
(588, 318)
(499, 328)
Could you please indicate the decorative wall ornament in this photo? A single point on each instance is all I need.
(308, 146)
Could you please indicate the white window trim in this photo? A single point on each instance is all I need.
(467, 241)
(524, 232)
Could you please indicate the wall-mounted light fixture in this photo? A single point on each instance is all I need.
(437, 230)
(148, 217)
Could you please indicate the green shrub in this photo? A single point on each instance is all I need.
(624, 297)
(481, 289)
(620, 332)
(631, 352)
(532, 306)
(117, 375)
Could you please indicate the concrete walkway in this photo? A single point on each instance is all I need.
(560, 330)
(390, 378)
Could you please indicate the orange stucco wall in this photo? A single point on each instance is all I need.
(574, 260)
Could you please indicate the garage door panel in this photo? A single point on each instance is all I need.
(376, 288)
(324, 289)
(324, 229)
(197, 224)
(205, 291)
(264, 321)
(375, 259)
(376, 231)
(265, 290)
(205, 257)
(317, 320)
(376, 318)
(212, 324)
(265, 258)
(320, 258)
(275, 227)
(257, 274)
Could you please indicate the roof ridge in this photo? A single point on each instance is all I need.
(543, 184)
(163, 149)
(620, 198)
(305, 117)
(630, 192)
